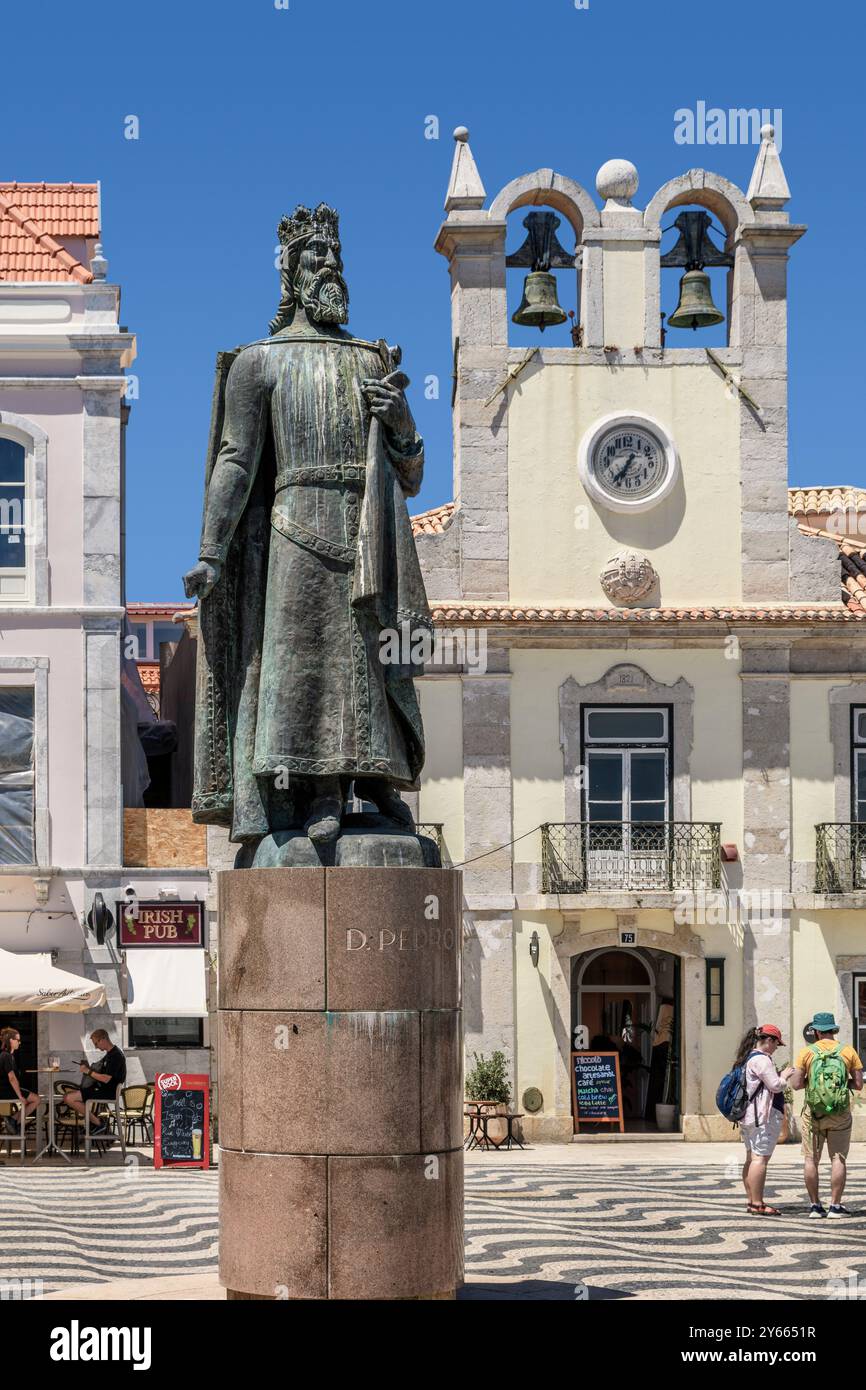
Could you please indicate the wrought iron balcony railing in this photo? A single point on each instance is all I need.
(433, 830)
(657, 856)
(840, 857)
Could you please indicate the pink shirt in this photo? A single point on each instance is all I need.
(761, 1068)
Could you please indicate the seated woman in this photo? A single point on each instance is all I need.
(10, 1085)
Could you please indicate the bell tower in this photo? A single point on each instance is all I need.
(520, 414)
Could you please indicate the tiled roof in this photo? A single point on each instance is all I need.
(811, 501)
(802, 501)
(461, 612)
(157, 610)
(435, 521)
(149, 674)
(852, 557)
(33, 216)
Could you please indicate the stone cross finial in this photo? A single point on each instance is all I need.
(768, 188)
(465, 189)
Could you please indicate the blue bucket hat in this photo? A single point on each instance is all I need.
(824, 1023)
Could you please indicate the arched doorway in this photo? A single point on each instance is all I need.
(628, 1000)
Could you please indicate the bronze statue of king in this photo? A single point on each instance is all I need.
(306, 560)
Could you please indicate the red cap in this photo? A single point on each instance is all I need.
(770, 1030)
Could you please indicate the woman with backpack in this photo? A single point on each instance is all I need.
(761, 1121)
(829, 1073)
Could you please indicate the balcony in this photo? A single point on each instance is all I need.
(840, 857)
(638, 856)
(433, 831)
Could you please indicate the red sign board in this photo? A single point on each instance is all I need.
(181, 1121)
(161, 924)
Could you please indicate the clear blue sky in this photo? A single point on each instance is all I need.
(246, 109)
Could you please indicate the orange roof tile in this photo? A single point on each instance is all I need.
(434, 521)
(149, 674)
(32, 216)
(140, 609)
(459, 611)
(816, 501)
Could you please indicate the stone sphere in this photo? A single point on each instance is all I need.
(768, 132)
(461, 134)
(617, 178)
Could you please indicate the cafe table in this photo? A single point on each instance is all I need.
(50, 1146)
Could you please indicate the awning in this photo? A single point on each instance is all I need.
(31, 982)
(164, 982)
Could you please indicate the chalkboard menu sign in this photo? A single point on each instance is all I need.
(181, 1129)
(596, 1089)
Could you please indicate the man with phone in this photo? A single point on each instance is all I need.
(99, 1082)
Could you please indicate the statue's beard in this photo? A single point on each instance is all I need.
(324, 295)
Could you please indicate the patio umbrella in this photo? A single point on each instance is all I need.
(33, 983)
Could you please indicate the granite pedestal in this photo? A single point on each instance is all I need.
(340, 1100)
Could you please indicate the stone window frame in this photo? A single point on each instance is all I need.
(627, 684)
(37, 668)
(26, 432)
(846, 968)
(841, 700)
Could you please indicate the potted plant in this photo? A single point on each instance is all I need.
(788, 1132)
(487, 1085)
(666, 1110)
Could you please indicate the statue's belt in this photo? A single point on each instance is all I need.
(293, 531)
(321, 473)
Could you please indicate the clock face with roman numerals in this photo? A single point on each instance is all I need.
(629, 462)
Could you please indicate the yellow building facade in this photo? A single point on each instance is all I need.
(644, 722)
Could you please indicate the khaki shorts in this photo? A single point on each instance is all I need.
(834, 1130)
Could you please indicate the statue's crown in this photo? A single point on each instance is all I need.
(305, 222)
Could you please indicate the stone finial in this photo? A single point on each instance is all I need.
(465, 189)
(768, 187)
(98, 263)
(617, 181)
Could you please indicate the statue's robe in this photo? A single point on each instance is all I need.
(290, 683)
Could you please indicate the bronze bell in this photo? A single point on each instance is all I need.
(539, 306)
(696, 308)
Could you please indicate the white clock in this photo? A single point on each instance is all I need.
(628, 462)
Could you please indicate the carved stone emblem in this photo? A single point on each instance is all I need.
(627, 577)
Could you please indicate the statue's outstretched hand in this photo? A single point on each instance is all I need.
(200, 580)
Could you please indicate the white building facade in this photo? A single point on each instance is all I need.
(63, 355)
(651, 779)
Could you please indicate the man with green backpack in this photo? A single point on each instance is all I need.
(829, 1074)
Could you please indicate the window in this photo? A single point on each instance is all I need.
(715, 986)
(13, 521)
(859, 1014)
(139, 632)
(619, 725)
(858, 763)
(16, 775)
(165, 632)
(626, 754)
(165, 1032)
(629, 782)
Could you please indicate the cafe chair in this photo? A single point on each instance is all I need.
(68, 1124)
(110, 1109)
(13, 1110)
(138, 1112)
